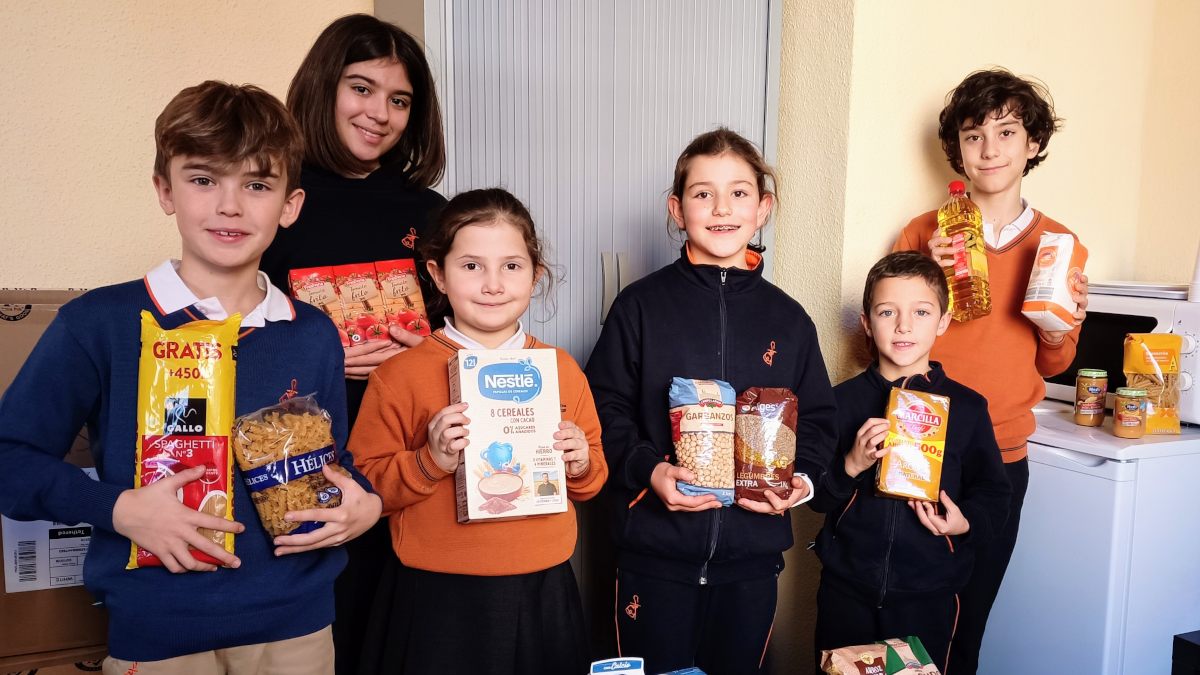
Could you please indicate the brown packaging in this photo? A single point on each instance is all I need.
(860, 660)
(916, 440)
(764, 443)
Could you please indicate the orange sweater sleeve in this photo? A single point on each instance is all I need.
(402, 474)
(581, 409)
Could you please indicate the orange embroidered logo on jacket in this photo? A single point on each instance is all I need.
(410, 239)
(769, 355)
(632, 608)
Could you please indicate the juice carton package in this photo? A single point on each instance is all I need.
(510, 468)
(186, 379)
(315, 285)
(362, 304)
(916, 439)
(1152, 363)
(403, 304)
(702, 427)
(1048, 302)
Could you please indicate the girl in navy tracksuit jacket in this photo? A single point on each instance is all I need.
(696, 583)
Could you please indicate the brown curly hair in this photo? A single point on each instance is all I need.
(996, 92)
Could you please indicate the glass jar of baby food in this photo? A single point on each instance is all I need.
(1129, 413)
(1090, 387)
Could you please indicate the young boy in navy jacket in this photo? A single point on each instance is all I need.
(891, 568)
(227, 167)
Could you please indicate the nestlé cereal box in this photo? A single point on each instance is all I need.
(510, 468)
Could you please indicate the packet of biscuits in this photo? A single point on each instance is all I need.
(702, 426)
(916, 440)
(280, 450)
(764, 443)
(186, 380)
(856, 660)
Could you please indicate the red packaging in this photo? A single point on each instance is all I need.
(403, 303)
(315, 285)
(362, 304)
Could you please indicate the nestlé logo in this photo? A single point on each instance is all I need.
(519, 382)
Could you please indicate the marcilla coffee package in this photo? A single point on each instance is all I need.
(917, 441)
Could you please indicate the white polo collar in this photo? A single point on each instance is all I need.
(170, 295)
(517, 341)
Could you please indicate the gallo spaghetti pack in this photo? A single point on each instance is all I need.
(186, 379)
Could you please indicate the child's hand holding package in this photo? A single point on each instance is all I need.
(867, 448)
(154, 519)
(356, 514)
(954, 522)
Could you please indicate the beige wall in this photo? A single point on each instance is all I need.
(83, 82)
(1169, 227)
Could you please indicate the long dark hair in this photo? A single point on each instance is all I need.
(312, 96)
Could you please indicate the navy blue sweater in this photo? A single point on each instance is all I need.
(84, 370)
(876, 546)
(702, 322)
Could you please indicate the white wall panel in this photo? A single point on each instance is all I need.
(580, 107)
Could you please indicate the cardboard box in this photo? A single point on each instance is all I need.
(59, 624)
(315, 286)
(362, 304)
(403, 304)
(510, 468)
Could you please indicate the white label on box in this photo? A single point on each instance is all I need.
(510, 467)
(40, 554)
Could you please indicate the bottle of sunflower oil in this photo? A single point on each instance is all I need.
(960, 220)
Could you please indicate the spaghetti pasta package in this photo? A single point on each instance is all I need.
(186, 379)
(702, 426)
(1152, 363)
(280, 450)
(916, 440)
(1048, 302)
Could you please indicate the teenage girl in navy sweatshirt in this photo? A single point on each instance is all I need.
(366, 104)
(696, 583)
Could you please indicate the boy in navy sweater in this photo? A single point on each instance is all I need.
(227, 167)
(891, 568)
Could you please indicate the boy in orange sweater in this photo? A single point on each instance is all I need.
(994, 130)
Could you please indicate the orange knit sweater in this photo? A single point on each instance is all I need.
(1001, 355)
(402, 395)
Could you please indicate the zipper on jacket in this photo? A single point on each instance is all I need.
(714, 532)
(887, 556)
(721, 296)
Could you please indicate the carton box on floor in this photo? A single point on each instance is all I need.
(58, 624)
(510, 468)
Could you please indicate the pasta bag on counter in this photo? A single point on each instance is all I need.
(916, 440)
(185, 409)
(1152, 363)
(1048, 302)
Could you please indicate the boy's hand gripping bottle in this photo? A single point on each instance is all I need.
(960, 220)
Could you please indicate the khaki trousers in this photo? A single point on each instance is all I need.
(310, 654)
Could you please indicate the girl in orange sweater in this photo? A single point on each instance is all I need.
(492, 597)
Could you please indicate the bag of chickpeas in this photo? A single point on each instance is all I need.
(702, 426)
